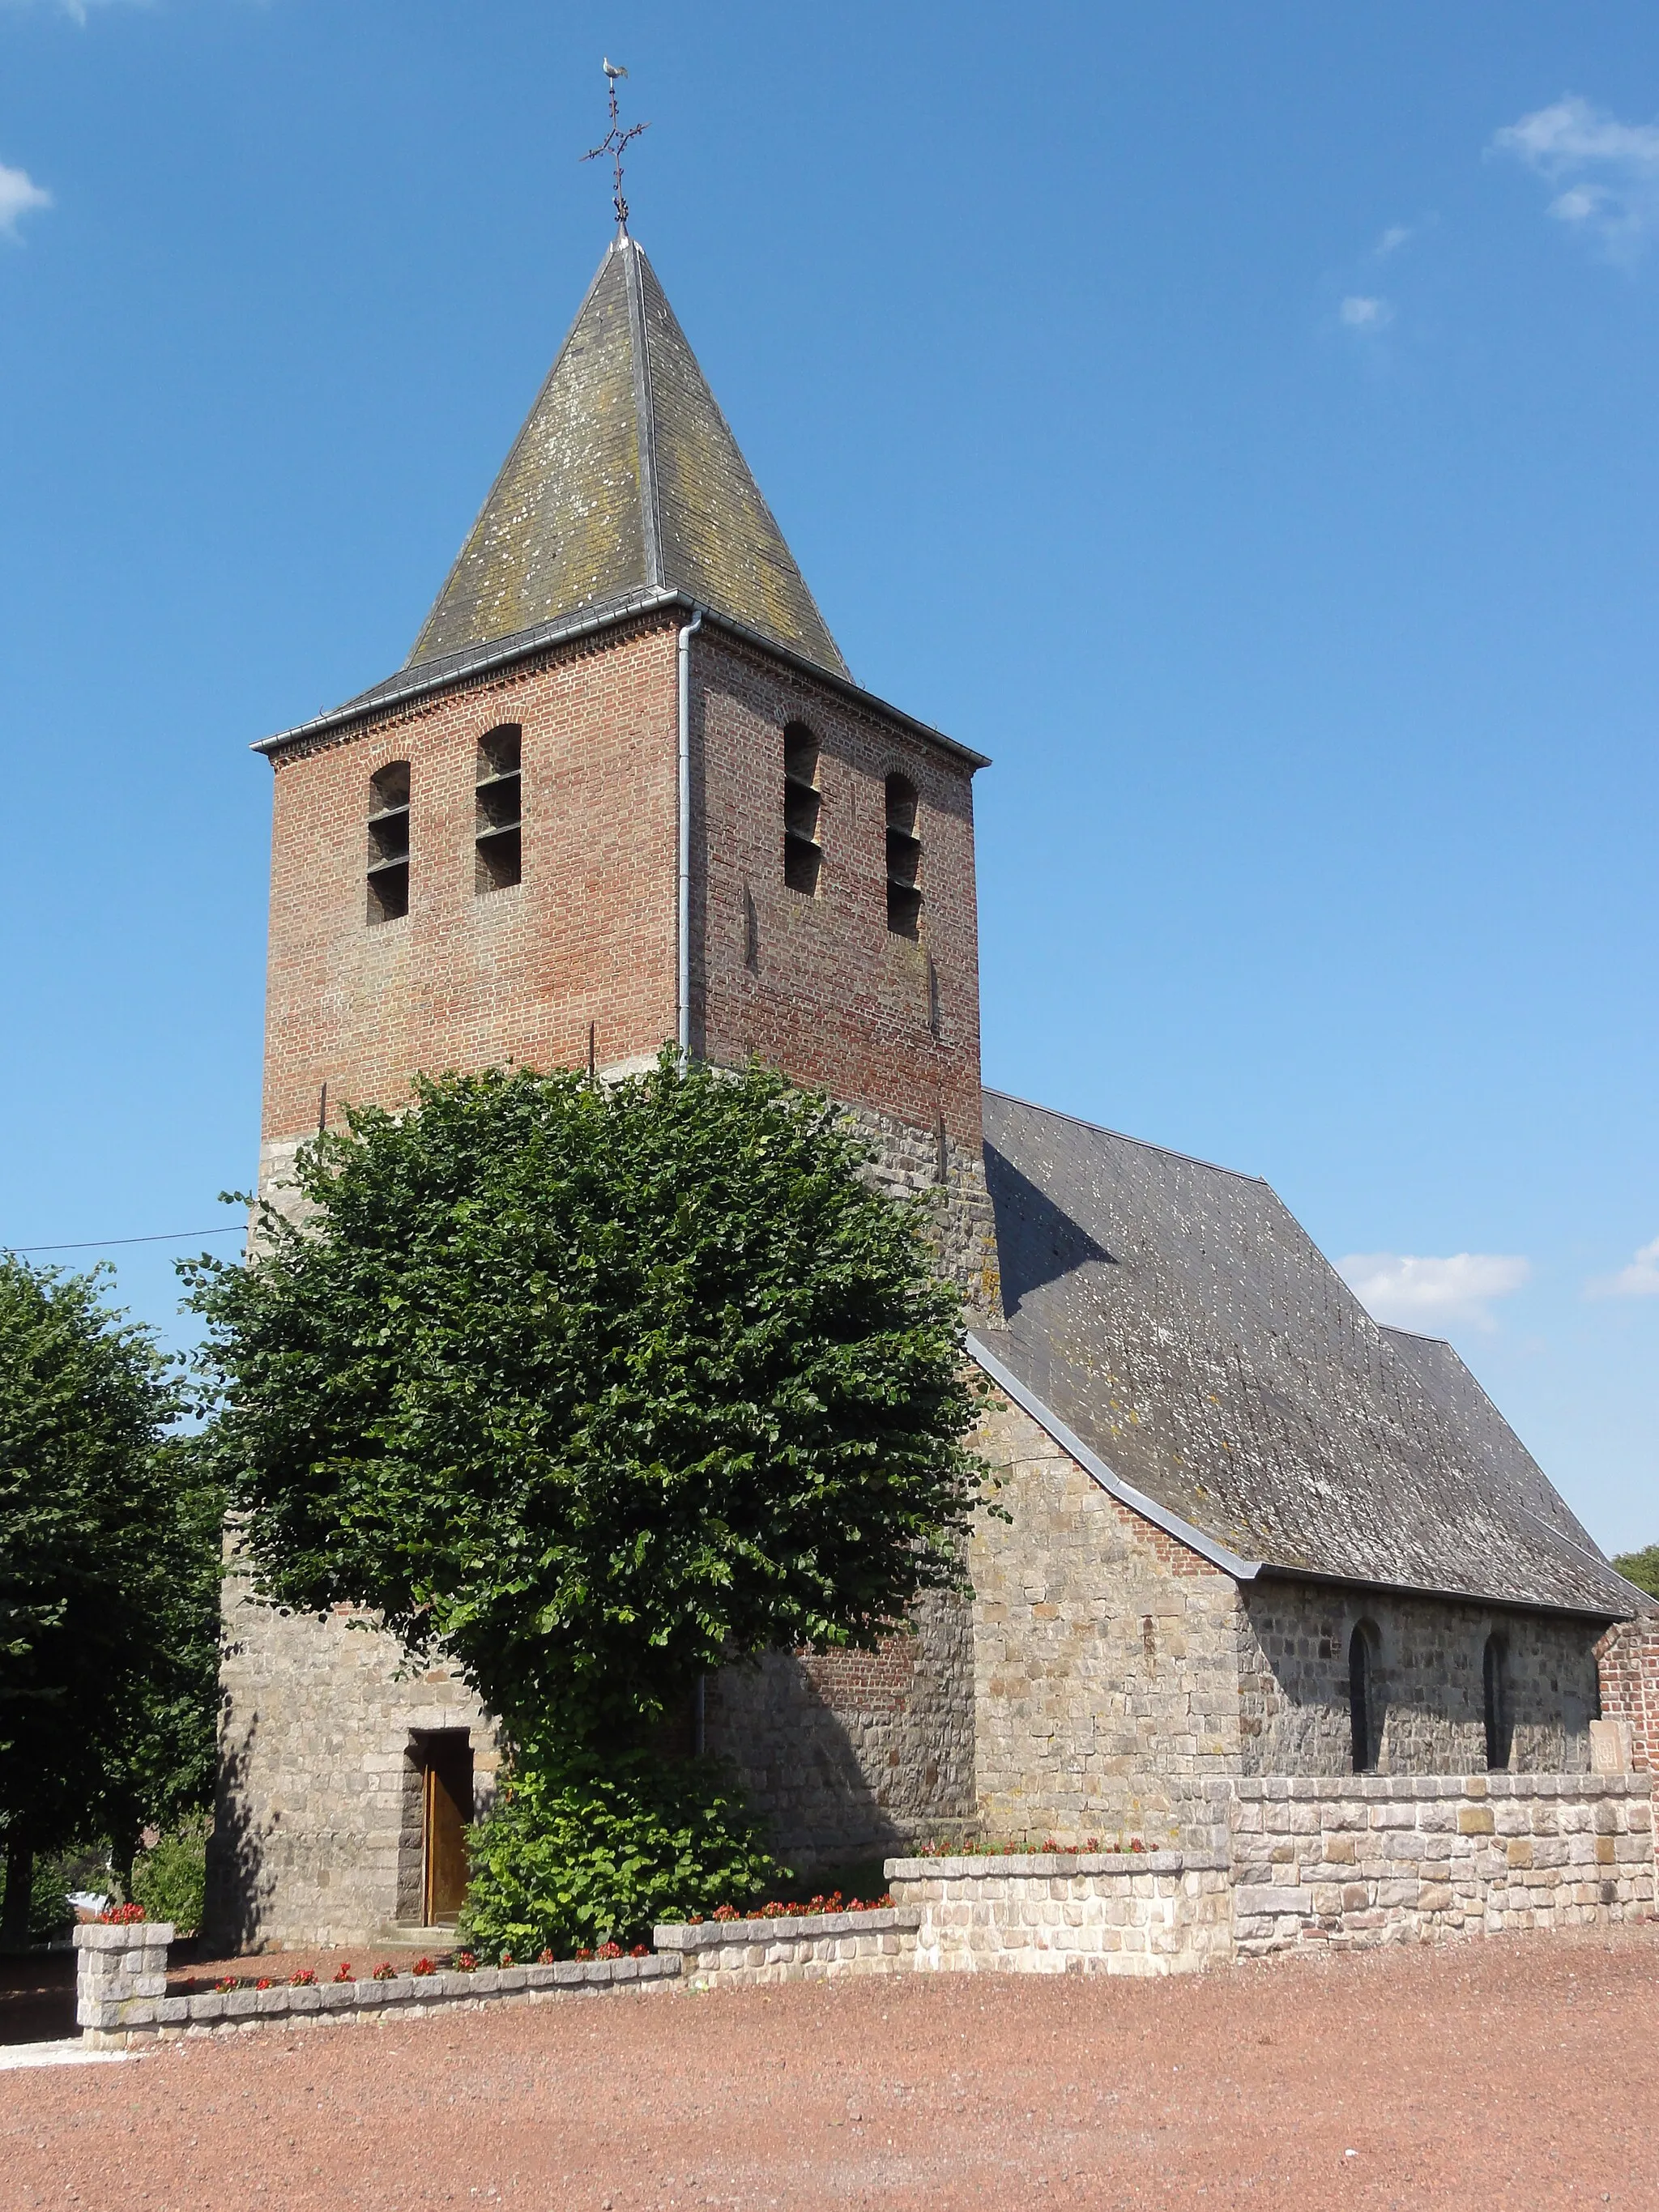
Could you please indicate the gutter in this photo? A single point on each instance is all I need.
(682, 1032)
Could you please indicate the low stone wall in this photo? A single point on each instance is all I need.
(817, 1946)
(1143, 1913)
(129, 2005)
(1366, 1859)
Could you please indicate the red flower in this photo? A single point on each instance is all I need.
(385, 1972)
(465, 1962)
(423, 1966)
(609, 1951)
(640, 1951)
(507, 1958)
(345, 1974)
(121, 1915)
(263, 1982)
(545, 1959)
(303, 1980)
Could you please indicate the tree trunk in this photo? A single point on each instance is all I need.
(20, 1889)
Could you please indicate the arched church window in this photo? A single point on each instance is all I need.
(904, 858)
(1494, 1683)
(388, 843)
(498, 801)
(1365, 1734)
(803, 854)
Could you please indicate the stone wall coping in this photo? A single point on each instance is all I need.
(680, 1935)
(1046, 1865)
(123, 1935)
(1272, 1788)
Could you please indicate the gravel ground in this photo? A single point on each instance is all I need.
(1517, 2071)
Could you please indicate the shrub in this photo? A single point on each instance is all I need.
(577, 1855)
(170, 1879)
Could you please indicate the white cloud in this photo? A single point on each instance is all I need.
(1360, 312)
(18, 196)
(1397, 1287)
(1606, 173)
(1638, 1280)
(1392, 240)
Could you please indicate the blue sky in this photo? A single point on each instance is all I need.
(1236, 421)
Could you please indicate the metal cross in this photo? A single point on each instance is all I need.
(615, 140)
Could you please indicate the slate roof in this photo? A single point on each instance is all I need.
(625, 479)
(1176, 1319)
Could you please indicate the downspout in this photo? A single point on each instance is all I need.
(684, 1030)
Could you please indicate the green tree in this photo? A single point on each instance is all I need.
(108, 1567)
(598, 1387)
(1641, 1568)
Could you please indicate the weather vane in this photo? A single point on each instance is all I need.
(614, 140)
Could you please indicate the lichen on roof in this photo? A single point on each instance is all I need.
(625, 478)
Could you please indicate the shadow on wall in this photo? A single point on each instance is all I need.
(1411, 1685)
(1037, 1241)
(238, 1875)
(854, 1754)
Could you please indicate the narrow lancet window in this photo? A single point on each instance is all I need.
(904, 858)
(498, 833)
(388, 843)
(1500, 1733)
(803, 855)
(1362, 1702)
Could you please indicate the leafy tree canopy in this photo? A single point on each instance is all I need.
(1641, 1568)
(598, 1386)
(109, 1548)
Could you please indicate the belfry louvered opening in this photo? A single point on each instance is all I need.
(803, 855)
(388, 843)
(904, 858)
(500, 835)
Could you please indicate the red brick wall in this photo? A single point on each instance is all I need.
(466, 980)
(1628, 1656)
(819, 985)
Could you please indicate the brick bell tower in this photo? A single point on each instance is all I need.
(624, 790)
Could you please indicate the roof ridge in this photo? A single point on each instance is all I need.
(1238, 1175)
(645, 408)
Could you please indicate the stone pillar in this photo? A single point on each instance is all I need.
(121, 1976)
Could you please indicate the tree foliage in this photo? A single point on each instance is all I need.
(597, 1387)
(109, 1544)
(1641, 1568)
(584, 1850)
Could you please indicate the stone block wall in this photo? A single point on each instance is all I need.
(1377, 1859)
(1105, 1658)
(1427, 1682)
(734, 1954)
(1159, 1913)
(314, 1839)
(120, 1976)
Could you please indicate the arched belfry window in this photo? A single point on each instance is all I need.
(803, 854)
(1363, 1716)
(1495, 1689)
(388, 843)
(497, 798)
(904, 858)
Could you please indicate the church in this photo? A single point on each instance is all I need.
(625, 790)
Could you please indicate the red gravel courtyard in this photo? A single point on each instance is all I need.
(1518, 2071)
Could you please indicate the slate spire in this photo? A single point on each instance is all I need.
(624, 479)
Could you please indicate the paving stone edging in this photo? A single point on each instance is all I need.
(812, 1947)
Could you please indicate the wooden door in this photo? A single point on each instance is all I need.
(447, 1811)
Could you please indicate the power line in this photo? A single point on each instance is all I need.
(104, 1243)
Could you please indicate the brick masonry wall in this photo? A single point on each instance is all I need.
(1428, 1683)
(1628, 1659)
(1164, 1912)
(1105, 1656)
(316, 1828)
(819, 985)
(1373, 1860)
(470, 979)
(853, 1754)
